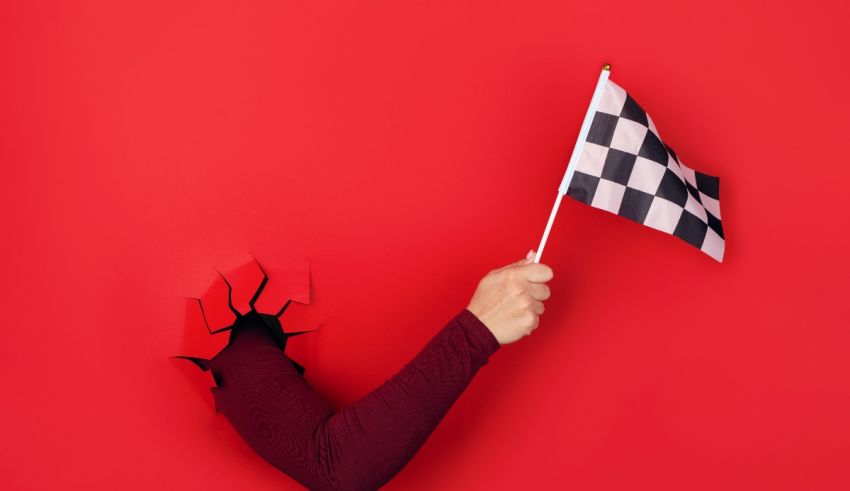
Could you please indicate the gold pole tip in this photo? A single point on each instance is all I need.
(606, 67)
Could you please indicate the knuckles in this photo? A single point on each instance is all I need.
(528, 320)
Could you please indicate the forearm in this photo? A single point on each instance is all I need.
(364, 444)
(377, 435)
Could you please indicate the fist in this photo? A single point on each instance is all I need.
(509, 300)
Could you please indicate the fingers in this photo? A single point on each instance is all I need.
(529, 270)
(535, 272)
(509, 300)
(539, 291)
(537, 307)
(533, 324)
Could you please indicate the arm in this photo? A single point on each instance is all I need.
(365, 444)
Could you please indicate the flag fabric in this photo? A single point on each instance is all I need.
(625, 168)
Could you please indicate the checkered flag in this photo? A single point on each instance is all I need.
(620, 164)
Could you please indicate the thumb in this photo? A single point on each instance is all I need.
(522, 262)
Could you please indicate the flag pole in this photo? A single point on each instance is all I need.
(571, 166)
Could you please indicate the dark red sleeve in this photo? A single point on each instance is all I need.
(362, 445)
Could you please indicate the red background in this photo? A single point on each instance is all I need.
(405, 149)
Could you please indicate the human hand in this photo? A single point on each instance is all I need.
(509, 300)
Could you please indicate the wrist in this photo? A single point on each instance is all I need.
(487, 338)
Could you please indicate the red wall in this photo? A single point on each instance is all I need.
(405, 150)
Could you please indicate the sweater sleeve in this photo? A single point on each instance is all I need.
(362, 445)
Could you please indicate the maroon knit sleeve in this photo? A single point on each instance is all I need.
(362, 445)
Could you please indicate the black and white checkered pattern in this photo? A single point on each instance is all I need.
(626, 169)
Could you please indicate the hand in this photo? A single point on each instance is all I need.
(509, 300)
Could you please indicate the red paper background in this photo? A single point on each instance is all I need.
(405, 149)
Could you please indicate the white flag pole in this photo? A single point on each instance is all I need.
(571, 166)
